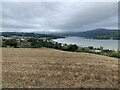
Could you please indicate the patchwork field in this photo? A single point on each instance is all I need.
(44, 68)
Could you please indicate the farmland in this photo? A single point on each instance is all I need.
(44, 68)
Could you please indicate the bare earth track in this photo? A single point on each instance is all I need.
(25, 67)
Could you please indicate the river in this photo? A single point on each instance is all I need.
(83, 42)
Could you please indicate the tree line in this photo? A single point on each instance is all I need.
(38, 43)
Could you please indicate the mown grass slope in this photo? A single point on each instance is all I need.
(27, 67)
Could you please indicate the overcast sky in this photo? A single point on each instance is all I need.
(58, 16)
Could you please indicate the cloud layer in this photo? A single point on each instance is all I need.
(58, 16)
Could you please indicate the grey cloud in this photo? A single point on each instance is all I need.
(11, 23)
(96, 12)
(53, 16)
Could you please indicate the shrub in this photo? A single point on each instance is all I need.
(72, 47)
(11, 43)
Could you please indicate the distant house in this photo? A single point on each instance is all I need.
(6, 38)
(97, 50)
(22, 39)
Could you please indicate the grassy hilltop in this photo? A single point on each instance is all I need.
(43, 67)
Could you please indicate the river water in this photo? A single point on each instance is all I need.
(83, 42)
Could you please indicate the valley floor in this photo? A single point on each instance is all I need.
(44, 68)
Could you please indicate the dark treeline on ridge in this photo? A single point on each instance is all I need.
(35, 35)
(99, 33)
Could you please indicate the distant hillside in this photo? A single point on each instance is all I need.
(97, 34)
(35, 35)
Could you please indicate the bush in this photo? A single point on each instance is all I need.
(85, 49)
(35, 45)
(72, 47)
(11, 43)
(114, 54)
(90, 47)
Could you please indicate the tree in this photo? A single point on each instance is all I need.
(11, 43)
(35, 44)
(57, 45)
(90, 47)
(64, 47)
(101, 48)
(72, 47)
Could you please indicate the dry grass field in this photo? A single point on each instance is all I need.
(44, 68)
